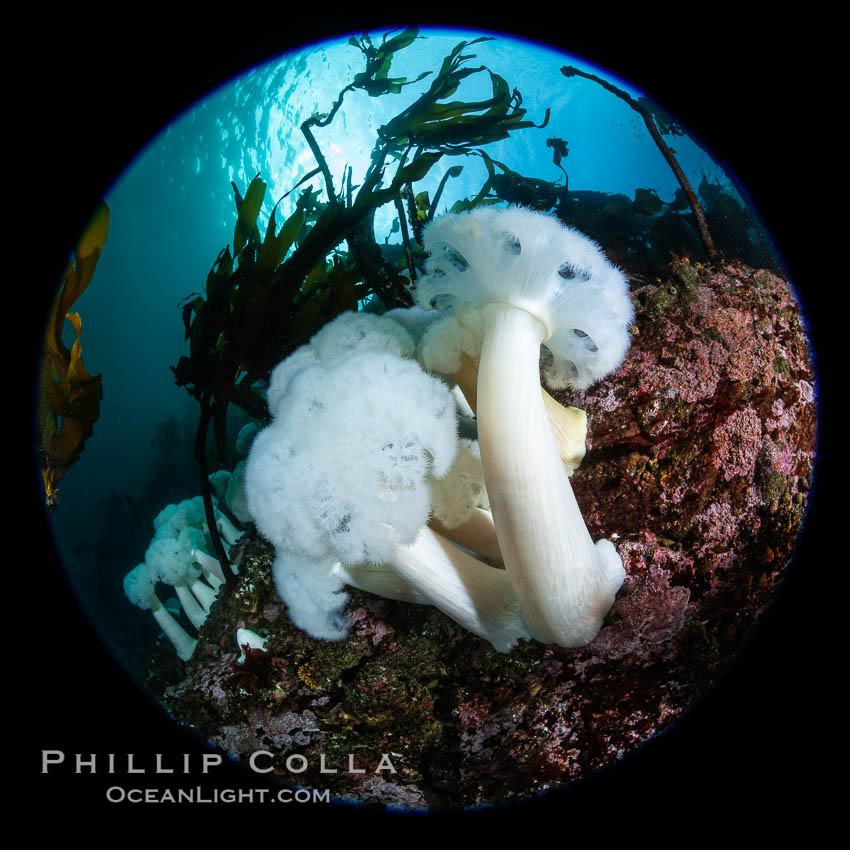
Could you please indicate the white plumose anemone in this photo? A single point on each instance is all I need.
(534, 281)
(339, 483)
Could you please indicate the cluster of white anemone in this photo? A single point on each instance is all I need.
(361, 478)
(178, 557)
(229, 486)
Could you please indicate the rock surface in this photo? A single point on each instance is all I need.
(699, 464)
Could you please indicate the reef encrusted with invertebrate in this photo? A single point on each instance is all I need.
(699, 465)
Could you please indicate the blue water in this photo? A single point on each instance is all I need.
(172, 211)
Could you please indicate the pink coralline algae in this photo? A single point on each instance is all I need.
(650, 613)
(737, 442)
(699, 465)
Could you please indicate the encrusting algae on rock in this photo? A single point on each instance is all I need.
(699, 464)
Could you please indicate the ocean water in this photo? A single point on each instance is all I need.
(172, 211)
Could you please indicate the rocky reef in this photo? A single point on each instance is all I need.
(699, 465)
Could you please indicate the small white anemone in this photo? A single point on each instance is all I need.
(245, 637)
(140, 587)
(171, 564)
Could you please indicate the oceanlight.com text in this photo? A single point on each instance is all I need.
(119, 794)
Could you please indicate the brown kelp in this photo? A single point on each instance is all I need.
(658, 123)
(69, 397)
(274, 291)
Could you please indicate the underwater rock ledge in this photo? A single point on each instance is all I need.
(700, 456)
